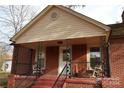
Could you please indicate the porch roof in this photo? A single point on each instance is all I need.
(69, 25)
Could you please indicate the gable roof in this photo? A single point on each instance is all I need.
(42, 13)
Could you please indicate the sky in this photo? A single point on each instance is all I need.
(106, 11)
(107, 14)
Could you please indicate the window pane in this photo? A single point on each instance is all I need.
(95, 57)
(67, 54)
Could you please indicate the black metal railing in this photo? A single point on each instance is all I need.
(61, 78)
(82, 70)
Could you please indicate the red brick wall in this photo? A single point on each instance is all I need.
(52, 58)
(11, 81)
(117, 59)
(111, 83)
(20, 81)
(79, 55)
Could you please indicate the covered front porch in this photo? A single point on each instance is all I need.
(83, 57)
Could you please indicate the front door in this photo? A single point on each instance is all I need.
(64, 57)
(52, 60)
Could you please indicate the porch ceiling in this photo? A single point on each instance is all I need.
(88, 41)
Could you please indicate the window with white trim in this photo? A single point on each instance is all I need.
(95, 57)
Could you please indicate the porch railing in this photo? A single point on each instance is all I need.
(61, 78)
(83, 70)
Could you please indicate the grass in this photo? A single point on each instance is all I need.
(3, 83)
(3, 79)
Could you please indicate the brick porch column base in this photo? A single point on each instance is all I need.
(111, 83)
(11, 81)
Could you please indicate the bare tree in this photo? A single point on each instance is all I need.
(12, 19)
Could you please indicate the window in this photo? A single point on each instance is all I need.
(67, 54)
(95, 57)
(40, 57)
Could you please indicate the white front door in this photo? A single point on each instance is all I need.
(64, 56)
(62, 62)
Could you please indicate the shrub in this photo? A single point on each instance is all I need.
(3, 83)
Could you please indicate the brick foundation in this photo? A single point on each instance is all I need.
(20, 81)
(80, 83)
(11, 81)
(111, 83)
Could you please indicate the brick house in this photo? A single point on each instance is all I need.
(62, 48)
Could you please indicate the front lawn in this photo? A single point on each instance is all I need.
(3, 79)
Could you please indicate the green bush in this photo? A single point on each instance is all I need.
(3, 83)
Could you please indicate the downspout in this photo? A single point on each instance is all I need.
(107, 60)
(108, 55)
